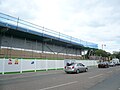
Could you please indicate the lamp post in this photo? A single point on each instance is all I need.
(103, 45)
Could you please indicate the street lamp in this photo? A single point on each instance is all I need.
(103, 45)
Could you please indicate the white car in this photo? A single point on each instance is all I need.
(75, 68)
(111, 64)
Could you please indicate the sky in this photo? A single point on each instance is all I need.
(96, 21)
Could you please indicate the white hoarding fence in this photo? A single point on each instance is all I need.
(20, 65)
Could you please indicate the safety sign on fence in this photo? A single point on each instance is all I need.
(10, 61)
(16, 61)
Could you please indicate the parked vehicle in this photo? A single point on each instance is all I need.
(103, 65)
(117, 64)
(112, 64)
(115, 60)
(75, 68)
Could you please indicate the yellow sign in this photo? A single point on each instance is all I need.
(16, 61)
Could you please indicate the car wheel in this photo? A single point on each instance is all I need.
(86, 69)
(77, 71)
(67, 72)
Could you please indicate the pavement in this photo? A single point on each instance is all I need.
(94, 79)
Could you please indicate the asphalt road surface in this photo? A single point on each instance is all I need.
(94, 79)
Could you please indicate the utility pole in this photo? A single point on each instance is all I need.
(103, 45)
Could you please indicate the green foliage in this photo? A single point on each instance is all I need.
(116, 55)
(97, 52)
(102, 53)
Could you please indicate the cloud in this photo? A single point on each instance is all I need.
(95, 24)
(18, 8)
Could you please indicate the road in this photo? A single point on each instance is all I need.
(94, 79)
(111, 83)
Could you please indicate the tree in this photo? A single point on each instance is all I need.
(101, 53)
(116, 55)
(98, 53)
(105, 55)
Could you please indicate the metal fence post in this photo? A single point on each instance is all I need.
(3, 72)
(35, 64)
(46, 65)
(56, 64)
(21, 66)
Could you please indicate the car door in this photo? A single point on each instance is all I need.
(81, 67)
(78, 66)
(84, 68)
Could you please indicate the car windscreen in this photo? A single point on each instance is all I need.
(70, 64)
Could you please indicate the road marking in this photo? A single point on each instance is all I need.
(109, 72)
(95, 76)
(58, 85)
